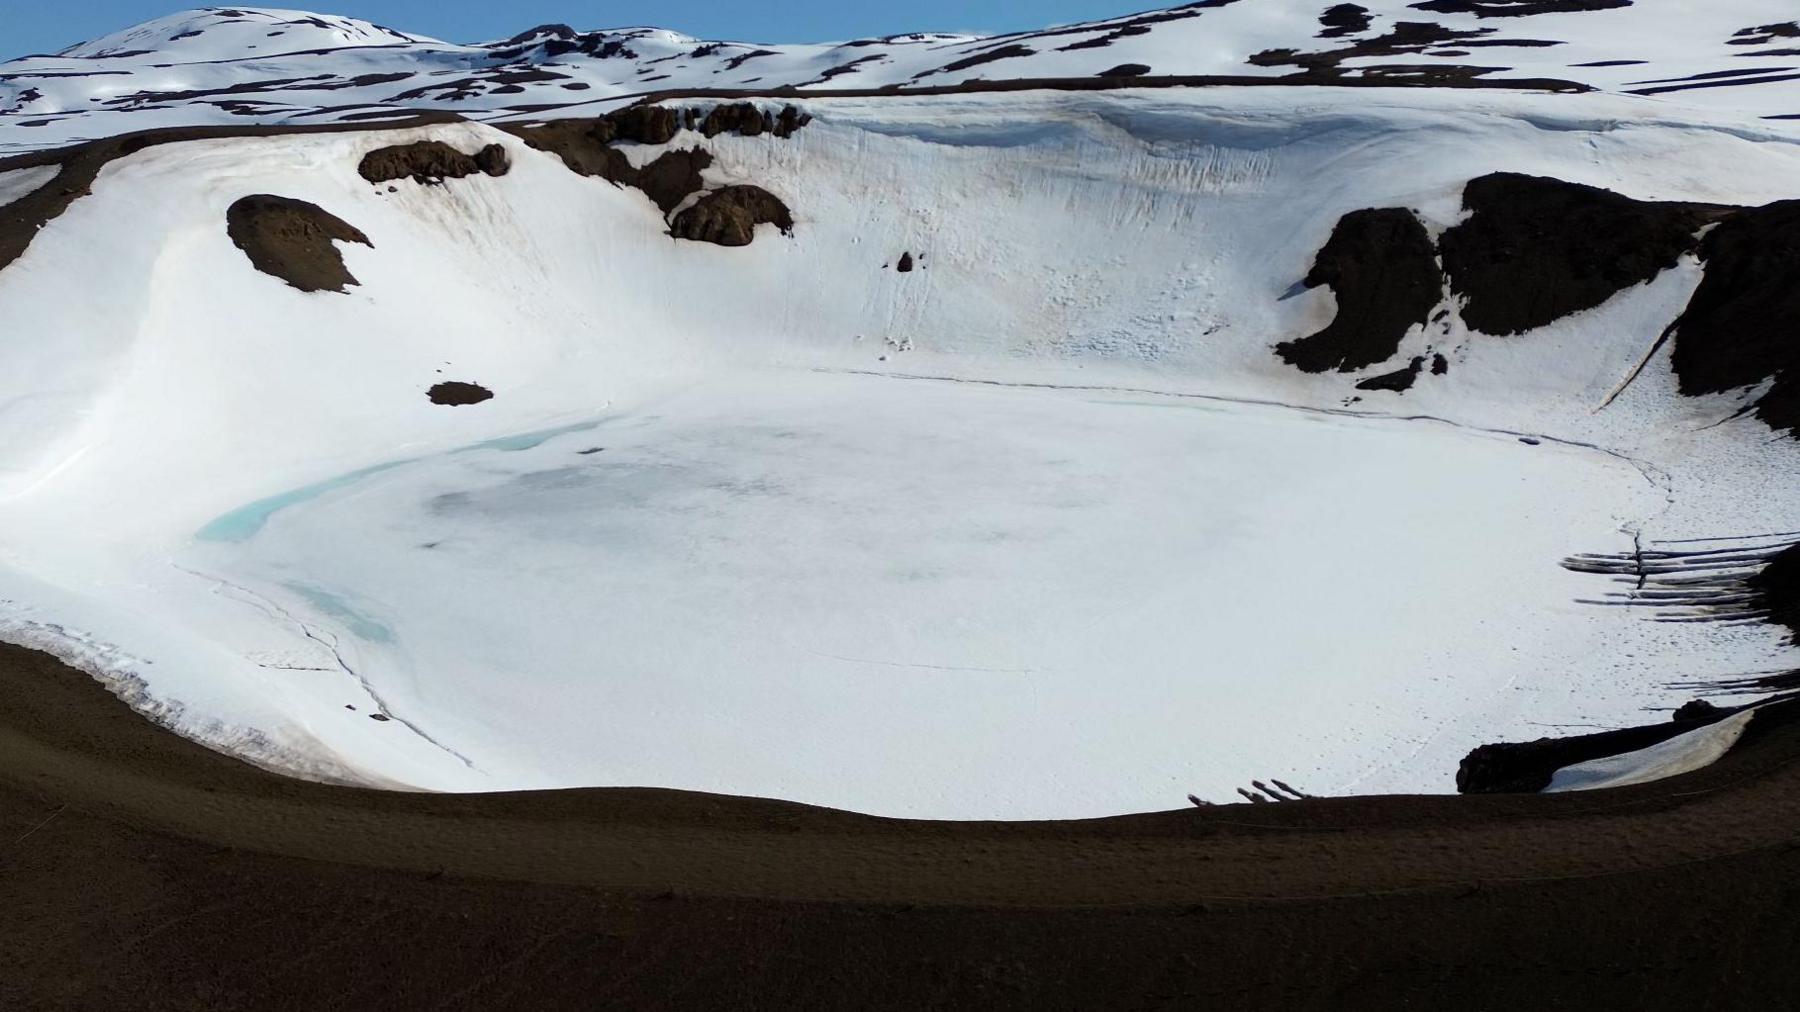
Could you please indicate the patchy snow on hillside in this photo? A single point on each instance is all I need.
(260, 65)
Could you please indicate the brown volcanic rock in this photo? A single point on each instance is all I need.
(431, 162)
(294, 241)
(729, 216)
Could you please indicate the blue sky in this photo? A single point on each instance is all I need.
(37, 26)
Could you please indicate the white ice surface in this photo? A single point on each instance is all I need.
(1061, 455)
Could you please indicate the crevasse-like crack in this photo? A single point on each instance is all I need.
(330, 643)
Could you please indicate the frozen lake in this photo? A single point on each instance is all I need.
(931, 598)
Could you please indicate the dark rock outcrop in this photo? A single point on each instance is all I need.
(641, 124)
(431, 162)
(1344, 19)
(588, 146)
(746, 119)
(668, 179)
(1534, 250)
(1381, 265)
(294, 241)
(581, 144)
(729, 216)
(458, 394)
(1739, 329)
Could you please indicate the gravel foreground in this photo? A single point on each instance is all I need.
(138, 870)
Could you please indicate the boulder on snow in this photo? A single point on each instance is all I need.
(294, 241)
(456, 393)
(431, 162)
(729, 216)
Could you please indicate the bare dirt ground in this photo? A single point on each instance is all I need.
(138, 870)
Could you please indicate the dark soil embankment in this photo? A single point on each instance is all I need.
(294, 241)
(1381, 266)
(431, 162)
(1534, 250)
(138, 870)
(729, 216)
(1739, 329)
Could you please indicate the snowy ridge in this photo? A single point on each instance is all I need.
(264, 65)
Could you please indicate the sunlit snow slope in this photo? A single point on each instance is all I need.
(1042, 526)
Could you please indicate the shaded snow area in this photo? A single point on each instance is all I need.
(263, 65)
(1683, 753)
(1040, 528)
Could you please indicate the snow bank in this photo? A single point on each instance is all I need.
(1681, 754)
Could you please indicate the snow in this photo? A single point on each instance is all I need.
(20, 183)
(266, 65)
(1042, 528)
(1685, 753)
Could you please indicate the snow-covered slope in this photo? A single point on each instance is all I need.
(236, 65)
(983, 491)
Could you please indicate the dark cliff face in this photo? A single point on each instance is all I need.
(1742, 327)
(1534, 250)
